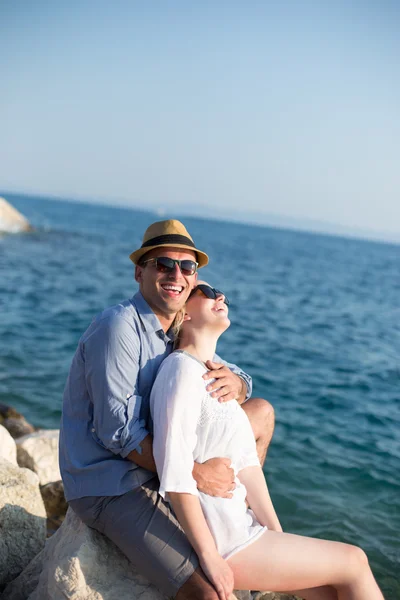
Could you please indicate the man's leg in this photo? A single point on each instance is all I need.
(262, 420)
(143, 527)
(197, 587)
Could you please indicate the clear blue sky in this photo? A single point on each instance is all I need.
(290, 108)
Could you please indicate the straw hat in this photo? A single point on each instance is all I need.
(166, 234)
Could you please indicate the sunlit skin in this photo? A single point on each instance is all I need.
(205, 319)
(154, 285)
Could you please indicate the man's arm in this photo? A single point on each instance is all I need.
(111, 355)
(145, 459)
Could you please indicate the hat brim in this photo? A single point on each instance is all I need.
(202, 257)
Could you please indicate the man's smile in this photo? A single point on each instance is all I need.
(172, 289)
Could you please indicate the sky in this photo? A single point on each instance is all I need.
(257, 109)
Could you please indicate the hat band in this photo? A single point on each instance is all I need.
(170, 239)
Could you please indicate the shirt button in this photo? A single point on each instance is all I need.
(93, 430)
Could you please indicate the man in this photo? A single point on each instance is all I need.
(106, 457)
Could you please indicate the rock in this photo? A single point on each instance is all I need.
(14, 422)
(11, 221)
(8, 449)
(22, 520)
(81, 564)
(26, 583)
(78, 562)
(55, 504)
(273, 596)
(39, 452)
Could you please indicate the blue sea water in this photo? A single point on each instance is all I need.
(315, 321)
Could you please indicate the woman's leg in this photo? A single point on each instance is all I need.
(284, 562)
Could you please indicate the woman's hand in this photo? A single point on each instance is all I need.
(219, 573)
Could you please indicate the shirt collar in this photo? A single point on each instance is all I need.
(149, 320)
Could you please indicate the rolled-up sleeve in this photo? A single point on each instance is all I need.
(111, 355)
(235, 369)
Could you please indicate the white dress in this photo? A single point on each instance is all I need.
(190, 425)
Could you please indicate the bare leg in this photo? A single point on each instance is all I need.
(284, 562)
(262, 420)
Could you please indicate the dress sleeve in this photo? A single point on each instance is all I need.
(247, 445)
(175, 404)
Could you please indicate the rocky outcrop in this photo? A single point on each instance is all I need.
(14, 422)
(76, 562)
(11, 221)
(80, 563)
(55, 504)
(22, 520)
(8, 449)
(39, 452)
(273, 596)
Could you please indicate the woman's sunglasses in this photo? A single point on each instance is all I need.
(209, 292)
(167, 265)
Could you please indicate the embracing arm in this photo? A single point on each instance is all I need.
(145, 459)
(231, 383)
(258, 497)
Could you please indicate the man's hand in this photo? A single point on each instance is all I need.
(227, 385)
(215, 477)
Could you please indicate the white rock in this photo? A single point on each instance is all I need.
(22, 520)
(11, 221)
(81, 564)
(39, 452)
(8, 449)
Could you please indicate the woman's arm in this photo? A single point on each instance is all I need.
(190, 515)
(258, 497)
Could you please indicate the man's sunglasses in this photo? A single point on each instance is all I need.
(209, 292)
(167, 265)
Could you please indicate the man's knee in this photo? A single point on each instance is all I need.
(197, 587)
(261, 415)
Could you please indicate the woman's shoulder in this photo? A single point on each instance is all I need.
(179, 359)
(180, 366)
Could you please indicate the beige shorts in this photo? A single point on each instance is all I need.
(143, 527)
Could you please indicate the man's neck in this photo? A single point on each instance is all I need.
(165, 321)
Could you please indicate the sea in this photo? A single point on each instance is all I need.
(315, 320)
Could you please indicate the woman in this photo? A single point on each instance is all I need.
(238, 547)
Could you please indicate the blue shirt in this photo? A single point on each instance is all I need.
(106, 411)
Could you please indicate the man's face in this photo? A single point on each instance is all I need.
(166, 293)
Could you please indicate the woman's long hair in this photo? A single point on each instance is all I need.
(177, 325)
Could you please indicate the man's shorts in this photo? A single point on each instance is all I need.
(143, 527)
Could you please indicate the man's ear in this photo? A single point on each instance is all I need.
(186, 318)
(138, 273)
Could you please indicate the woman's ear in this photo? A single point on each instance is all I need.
(186, 317)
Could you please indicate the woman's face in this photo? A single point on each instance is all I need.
(202, 311)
